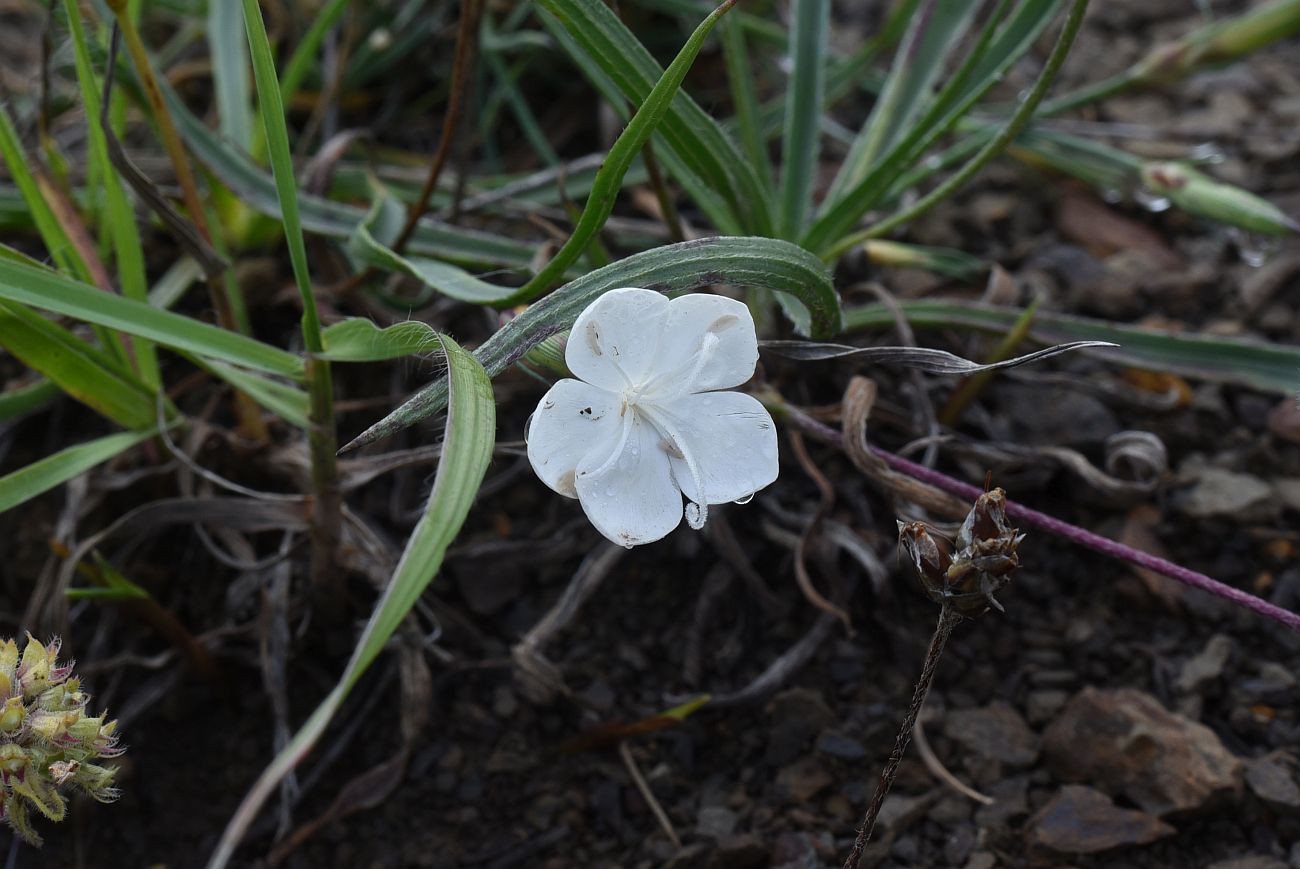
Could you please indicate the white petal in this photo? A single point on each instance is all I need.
(614, 342)
(707, 342)
(629, 494)
(730, 439)
(573, 420)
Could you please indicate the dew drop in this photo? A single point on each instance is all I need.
(628, 546)
(745, 500)
(1152, 202)
(1112, 195)
(1253, 248)
(1207, 153)
(609, 492)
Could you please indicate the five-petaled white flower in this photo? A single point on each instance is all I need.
(648, 426)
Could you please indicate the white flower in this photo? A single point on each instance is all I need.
(645, 426)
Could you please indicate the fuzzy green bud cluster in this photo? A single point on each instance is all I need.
(48, 744)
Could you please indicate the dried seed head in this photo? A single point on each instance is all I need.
(46, 739)
(986, 554)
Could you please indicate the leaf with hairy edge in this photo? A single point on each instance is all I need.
(470, 436)
(51, 291)
(54, 470)
(1256, 364)
(675, 268)
(921, 358)
(360, 340)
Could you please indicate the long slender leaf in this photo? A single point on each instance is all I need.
(801, 145)
(284, 400)
(335, 219)
(28, 398)
(467, 448)
(55, 469)
(230, 83)
(652, 113)
(1258, 365)
(41, 288)
(80, 369)
(927, 359)
(744, 98)
(934, 29)
(118, 216)
(369, 244)
(689, 132)
(677, 268)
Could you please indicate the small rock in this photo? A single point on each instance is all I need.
(794, 851)
(841, 746)
(900, 812)
(796, 716)
(1205, 667)
(1254, 861)
(996, 731)
(1219, 492)
(716, 822)
(1042, 706)
(803, 779)
(1010, 800)
(1272, 780)
(1126, 742)
(1080, 820)
(981, 860)
(745, 851)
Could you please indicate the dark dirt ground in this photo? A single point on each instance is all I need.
(780, 780)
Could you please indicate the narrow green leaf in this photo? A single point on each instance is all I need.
(940, 260)
(934, 30)
(54, 470)
(600, 204)
(284, 400)
(80, 369)
(230, 83)
(58, 244)
(118, 215)
(304, 55)
(1255, 364)
(369, 241)
(257, 190)
(286, 185)
(801, 146)
(50, 291)
(688, 132)
(28, 398)
(1198, 193)
(744, 98)
(677, 268)
(467, 448)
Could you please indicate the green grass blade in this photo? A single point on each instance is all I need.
(385, 222)
(231, 86)
(28, 398)
(995, 51)
(468, 442)
(284, 400)
(257, 190)
(55, 469)
(933, 31)
(304, 55)
(697, 187)
(740, 77)
(118, 213)
(286, 185)
(746, 262)
(80, 369)
(694, 137)
(800, 147)
(50, 291)
(56, 241)
(1254, 364)
(652, 113)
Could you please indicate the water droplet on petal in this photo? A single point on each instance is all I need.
(628, 546)
(609, 492)
(745, 500)
(1152, 202)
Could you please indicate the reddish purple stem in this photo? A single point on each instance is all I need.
(1074, 533)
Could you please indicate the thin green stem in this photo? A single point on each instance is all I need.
(1015, 124)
